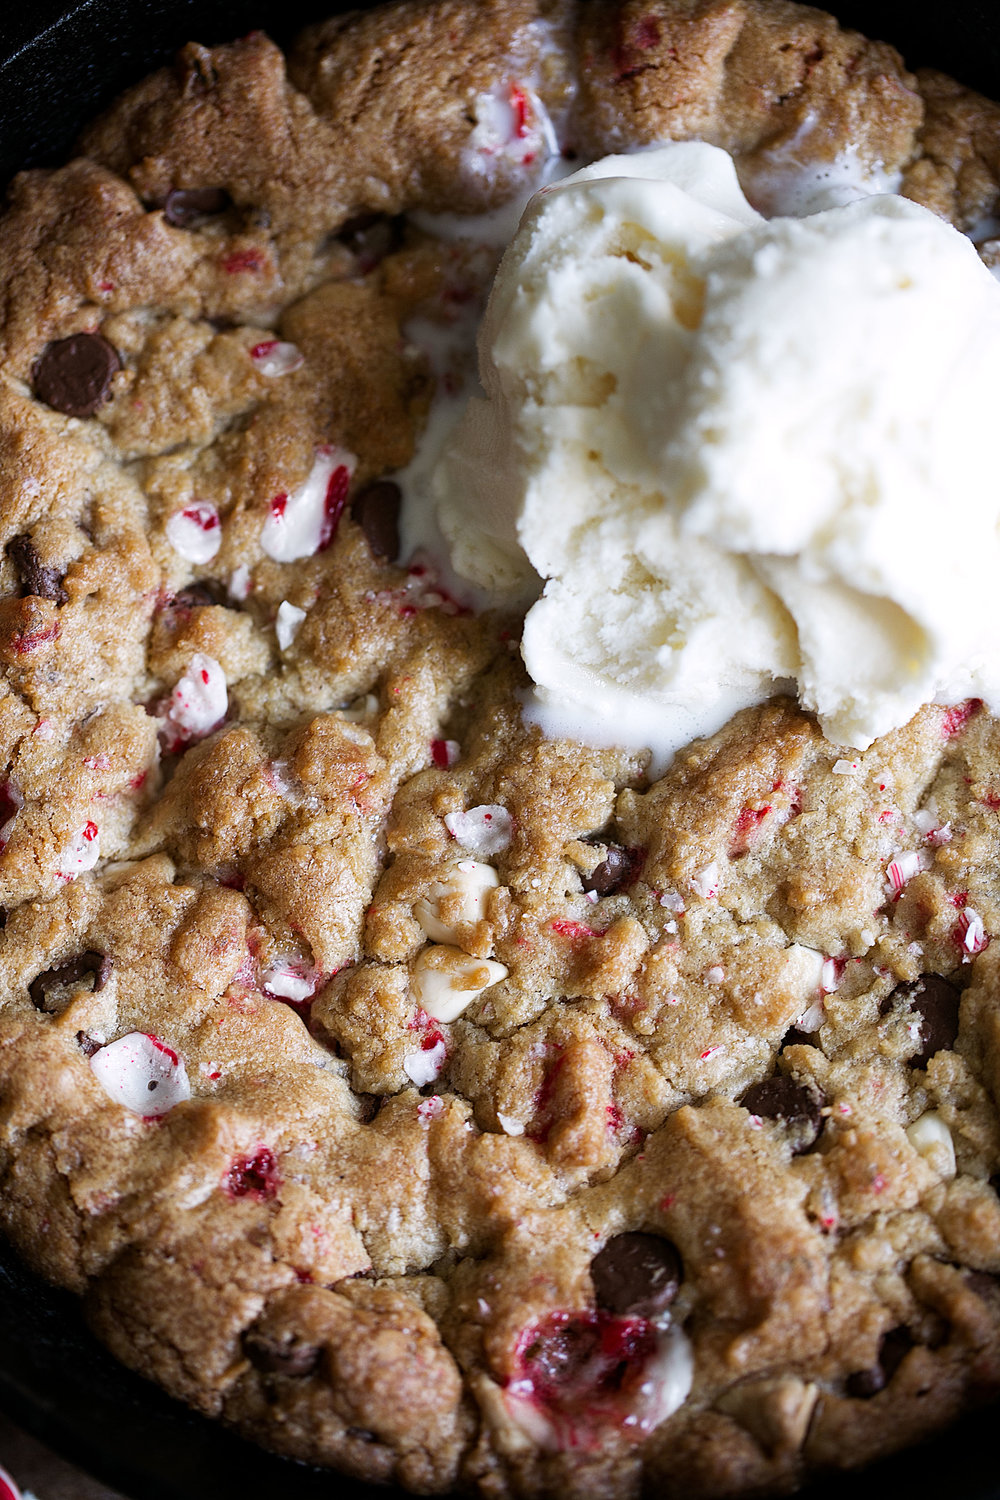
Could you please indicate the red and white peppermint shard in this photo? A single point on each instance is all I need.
(971, 931)
(272, 357)
(484, 830)
(705, 882)
(289, 978)
(903, 868)
(142, 1073)
(81, 853)
(8, 1489)
(304, 522)
(198, 703)
(195, 532)
(424, 1066)
(512, 123)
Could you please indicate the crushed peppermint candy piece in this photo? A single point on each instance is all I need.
(715, 975)
(972, 933)
(272, 357)
(198, 703)
(195, 533)
(812, 1017)
(445, 753)
(424, 1066)
(288, 623)
(239, 583)
(846, 767)
(289, 978)
(482, 830)
(512, 123)
(705, 882)
(509, 1125)
(81, 853)
(304, 522)
(11, 802)
(903, 868)
(430, 1109)
(672, 901)
(928, 823)
(142, 1073)
(833, 973)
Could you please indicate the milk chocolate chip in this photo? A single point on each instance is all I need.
(36, 581)
(185, 207)
(89, 964)
(74, 375)
(619, 867)
(376, 510)
(280, 1358)
(864, 1384)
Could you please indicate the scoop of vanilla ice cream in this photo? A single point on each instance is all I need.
(738, 453)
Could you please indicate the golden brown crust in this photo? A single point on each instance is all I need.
(346, 1239)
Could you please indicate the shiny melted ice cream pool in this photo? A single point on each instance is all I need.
(718, 456)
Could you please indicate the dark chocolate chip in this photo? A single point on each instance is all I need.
(87, 1044)
(96, 965)
(984, 1285)
(206, 591)
(376, 510)
(285, 1358)
(793, 1037)
(36, 581)
(186, 207)
(371, 237)
(864, 1384)
(936, 1002)
(636, 1275)
(619, 867)
(360, 1434)
(796, 1106)
(74, 375)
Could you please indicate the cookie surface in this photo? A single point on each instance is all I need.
(420, 1096)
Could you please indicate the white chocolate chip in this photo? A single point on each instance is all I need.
(509, 1125)
(287, 624)
(483, 830)
(142, 1073)
(456, 900)
(194, 532)
(802, 971)
(931, 1137)
(302, 523)
(445, 980)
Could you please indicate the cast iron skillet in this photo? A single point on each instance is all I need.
(59, 64)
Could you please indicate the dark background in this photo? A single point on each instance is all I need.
(59, 64)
